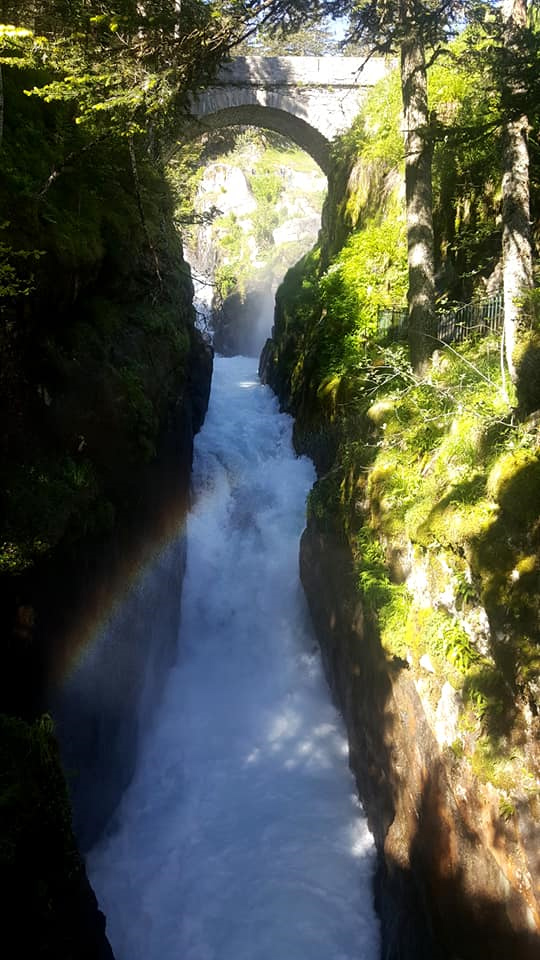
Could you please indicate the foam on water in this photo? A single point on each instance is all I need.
(241, 837)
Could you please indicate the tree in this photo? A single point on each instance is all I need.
(121, 71)
(414, 29)
(313, 40)
(510, 51)
(516, 238)
(124, 64)
(418, 197)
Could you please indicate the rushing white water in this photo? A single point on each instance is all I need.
(241, 837)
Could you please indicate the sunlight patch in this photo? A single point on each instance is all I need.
(248, 384)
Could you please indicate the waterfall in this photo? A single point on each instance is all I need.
(240, 836)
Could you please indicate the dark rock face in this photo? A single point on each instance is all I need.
(95, 693)
(455, 879)
(241, 324)
(49, 909)
(109, 662)
(101, 706)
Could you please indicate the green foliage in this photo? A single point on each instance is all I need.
(16, 275)
(369, 273)
(373, 577)
(299, 293)
(388, 600)
(184, 172)
(437, 463)
(381, 115)
(527, 355)
(15, 45)
(233, 272)
(507, 771)
(325, 503)
(507, 809)
(93, 346)
(265, 183)
(121, 69)
(314, 40)
(46, 501)
(465, 127)
(430, 479)
(267, 187)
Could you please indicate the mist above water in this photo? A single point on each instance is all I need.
(243, 324)
(241, 837)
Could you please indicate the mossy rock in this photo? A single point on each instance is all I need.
(527, 361)
(514, 482)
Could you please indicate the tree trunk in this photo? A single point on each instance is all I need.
(516, 238)
(419, 202)
(1, 105)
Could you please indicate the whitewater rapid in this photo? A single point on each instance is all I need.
(240, 837)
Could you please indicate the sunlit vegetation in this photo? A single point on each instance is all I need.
(432, 481)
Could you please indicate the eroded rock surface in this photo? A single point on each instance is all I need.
(456, 879)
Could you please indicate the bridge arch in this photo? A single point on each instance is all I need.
(277, 119)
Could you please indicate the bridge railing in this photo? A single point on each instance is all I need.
(475, 319)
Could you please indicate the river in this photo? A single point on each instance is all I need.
(240, 836)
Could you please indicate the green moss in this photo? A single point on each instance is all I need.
(488, 694)
(527, 356)
(514, 481)
(508, 772)
(393, 619)
(325, 501)
(329, 386)
(46, 501)
(390, 601)
(441, 467)
(369, 273)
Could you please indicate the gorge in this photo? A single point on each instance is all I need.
(240, 835)
(155, 630)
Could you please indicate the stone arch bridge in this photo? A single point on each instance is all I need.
(309, 100)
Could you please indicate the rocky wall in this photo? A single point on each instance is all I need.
(455, 879)
(97, 690)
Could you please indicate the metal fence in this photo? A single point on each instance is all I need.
(392, 322)
(476, 319)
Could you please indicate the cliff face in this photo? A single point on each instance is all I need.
(103, 383)
(96, 627)
(51, 615)
(445, 759)
(420, 565)
(455, 877)
(48, 906)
